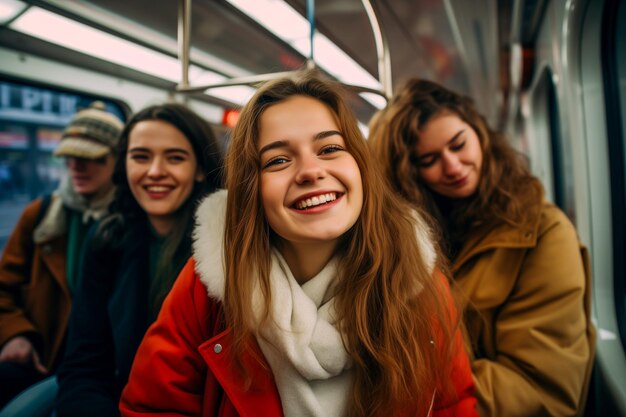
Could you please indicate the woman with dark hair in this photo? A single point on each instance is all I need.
(168, 159)
(517, 262)
(312, 290)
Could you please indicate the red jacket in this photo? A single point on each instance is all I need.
(183, 366)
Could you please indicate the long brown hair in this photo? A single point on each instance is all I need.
(393, 311)
(507, 192)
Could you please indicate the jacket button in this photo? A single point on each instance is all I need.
(217, 348)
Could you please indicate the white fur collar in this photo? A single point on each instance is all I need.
(208, 242)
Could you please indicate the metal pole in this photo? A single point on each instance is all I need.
(184, 34)
(382, 51)
(310, 14)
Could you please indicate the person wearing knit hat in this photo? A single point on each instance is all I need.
(38, 268)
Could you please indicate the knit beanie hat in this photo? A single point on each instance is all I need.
(92, 133)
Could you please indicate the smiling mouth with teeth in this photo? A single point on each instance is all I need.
(318, 200)
(157, 188)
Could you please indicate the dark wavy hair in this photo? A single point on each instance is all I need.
(118, 228)
(507, 192)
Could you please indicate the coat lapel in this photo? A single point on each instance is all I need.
(261, 399)
(53, 256)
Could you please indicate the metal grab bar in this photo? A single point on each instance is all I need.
(382, 52)
(184, 39)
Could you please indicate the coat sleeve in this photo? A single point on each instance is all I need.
(462, 403)
(168, 375)
(87, 384)
(15, 270)
(542, 335)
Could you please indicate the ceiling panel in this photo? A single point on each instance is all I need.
(453, 42)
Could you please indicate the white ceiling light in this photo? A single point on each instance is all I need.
(68, 33)
(77, 36)
(135, 30)
(377, 100)
(9, 9)
(268, 13)
(239, 94)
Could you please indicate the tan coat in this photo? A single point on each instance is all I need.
(34, 298)
(526, 298)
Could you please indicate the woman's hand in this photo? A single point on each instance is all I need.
(19, 349)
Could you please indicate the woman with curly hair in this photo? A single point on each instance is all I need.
(521, 274)
(312, 291)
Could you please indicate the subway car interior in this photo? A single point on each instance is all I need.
(551, 74)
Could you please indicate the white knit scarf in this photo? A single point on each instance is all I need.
(302, 343)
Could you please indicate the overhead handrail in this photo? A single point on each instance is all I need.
(382, 53)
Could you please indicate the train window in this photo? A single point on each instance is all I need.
(32, 118)
(615, 92)
(551, 155)
(559, 177)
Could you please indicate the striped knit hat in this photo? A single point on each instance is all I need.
(92, 133)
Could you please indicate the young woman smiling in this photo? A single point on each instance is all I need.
(168, 159)
(312, 291)
(521, 272)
